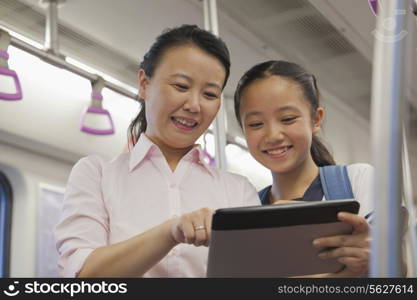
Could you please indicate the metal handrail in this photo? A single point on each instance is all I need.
(408, 200)
(388, 100)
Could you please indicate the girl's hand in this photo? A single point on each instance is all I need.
(351, 250)
(193, 228)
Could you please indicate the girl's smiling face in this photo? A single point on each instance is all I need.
(182, 97)
(278, 125)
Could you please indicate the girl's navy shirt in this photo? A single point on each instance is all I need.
(313, 193)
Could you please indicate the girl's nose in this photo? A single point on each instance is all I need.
(274, 134)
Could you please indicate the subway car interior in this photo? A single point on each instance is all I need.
(55, 54)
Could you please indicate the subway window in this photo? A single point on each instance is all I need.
(5, 224)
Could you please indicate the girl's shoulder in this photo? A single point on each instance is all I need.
(359, 170)
(360, 167)
(361, 177)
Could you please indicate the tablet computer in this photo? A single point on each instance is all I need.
(275, 240)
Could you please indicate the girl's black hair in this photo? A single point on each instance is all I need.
(306, 81)
(173, 37)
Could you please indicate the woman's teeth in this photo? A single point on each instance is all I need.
(184, 122)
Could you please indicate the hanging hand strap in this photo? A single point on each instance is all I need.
(96, 107)
(16, 93)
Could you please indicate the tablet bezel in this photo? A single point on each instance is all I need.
(236, 232)
(278, 215)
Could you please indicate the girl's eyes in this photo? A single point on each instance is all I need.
(255, 124)
(211, 95)
(288, 120)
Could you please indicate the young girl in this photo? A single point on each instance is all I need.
(277, 105)
(143, 213)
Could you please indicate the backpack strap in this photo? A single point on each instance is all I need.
(264, 195)
(335, 182)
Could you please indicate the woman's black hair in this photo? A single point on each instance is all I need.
(174, 37)
(306, 81)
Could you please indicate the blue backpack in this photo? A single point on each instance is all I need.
(335, 182)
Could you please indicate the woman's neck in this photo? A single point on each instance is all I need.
(172, 155)
(293, 184)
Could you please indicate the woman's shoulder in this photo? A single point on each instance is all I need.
(231, 181)
(228, 176)
(239, 190)
(98, 162)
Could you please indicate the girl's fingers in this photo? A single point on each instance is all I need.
(360, 225)
(359, 253)
(351, 240)
(355, 265)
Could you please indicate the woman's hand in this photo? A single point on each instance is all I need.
(193, 228)
(351, 250)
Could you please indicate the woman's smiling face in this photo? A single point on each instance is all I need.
(182, 97)
(277, 122)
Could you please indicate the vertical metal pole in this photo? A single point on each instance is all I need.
(51, 30)
(4, 45)
(407, 179)
(386, 128)
(408, 199)
(211, 24)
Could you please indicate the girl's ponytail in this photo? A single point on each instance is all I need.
(320, 154)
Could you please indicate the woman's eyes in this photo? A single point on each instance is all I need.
(181, 87)
(288, 119)
(184, 88)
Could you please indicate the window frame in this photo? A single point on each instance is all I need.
(6, 200)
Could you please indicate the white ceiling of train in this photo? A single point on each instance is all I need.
(333, 39)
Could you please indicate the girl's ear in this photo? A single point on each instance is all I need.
(143, 82)
(318, 119)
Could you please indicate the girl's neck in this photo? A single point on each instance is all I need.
(172, 155)
(293, 184)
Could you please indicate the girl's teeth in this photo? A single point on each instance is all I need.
(277, 151)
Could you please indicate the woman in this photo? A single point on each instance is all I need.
(144, 212)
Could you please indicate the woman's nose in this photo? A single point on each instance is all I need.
(192, 103)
